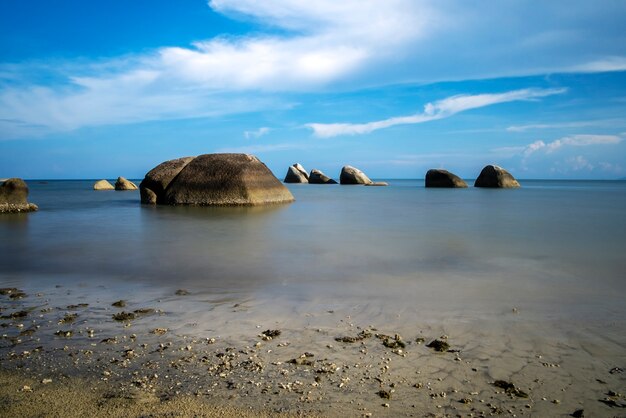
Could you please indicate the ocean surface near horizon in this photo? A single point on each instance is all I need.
(552, 248)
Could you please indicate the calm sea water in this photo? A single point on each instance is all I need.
(555, 248)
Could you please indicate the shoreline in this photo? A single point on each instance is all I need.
(329, 364)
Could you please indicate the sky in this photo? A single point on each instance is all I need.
(105, 89)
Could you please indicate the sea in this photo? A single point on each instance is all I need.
(554, 250)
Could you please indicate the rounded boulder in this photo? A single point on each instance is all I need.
(213, 180)
(14, 197)
(493, 176)
(352, 175)
(443, 178)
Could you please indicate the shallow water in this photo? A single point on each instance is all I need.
(552, 248)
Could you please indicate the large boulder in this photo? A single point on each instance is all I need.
(123, 184)
(443, 178)
(296, 174)
(103, 185)
(352, 175)
(317, 177)
(14, 197)
(213, 180)
(152, 187)
(496, 177)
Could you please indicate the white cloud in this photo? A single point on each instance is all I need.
(320, 44)
(256, 134)
(571, 141)
(432, 111)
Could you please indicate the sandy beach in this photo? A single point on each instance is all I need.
(92, 358)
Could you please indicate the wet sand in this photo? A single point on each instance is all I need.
(155, 357)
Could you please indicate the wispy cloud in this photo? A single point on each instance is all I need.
(256, 134)
(578, 124)
(571, 141)
(432, 111)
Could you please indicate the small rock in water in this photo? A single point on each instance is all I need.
(119, 304)
(124, 316)
(159, 331)
(182, 292)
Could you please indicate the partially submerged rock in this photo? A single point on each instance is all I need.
(443, 178)
(377, 183)
(103, 185)
(352, 175)
(493, 176)
(317, 177)
(123, 184)
(296, 174)
(213, 180)
(13, 197)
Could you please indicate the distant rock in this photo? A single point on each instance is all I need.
(377, 183)
(296, 174)
(352, 175)
(443, 178)
(123, 184)
(317, 177)
(213, 180)
(103, 185)
(14, 197)
(152, 187)
(496, 177)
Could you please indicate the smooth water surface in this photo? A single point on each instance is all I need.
(555, 248)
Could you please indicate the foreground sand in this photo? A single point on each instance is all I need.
(78, 360)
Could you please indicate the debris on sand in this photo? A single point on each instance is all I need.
(438, 345)
(510, 388)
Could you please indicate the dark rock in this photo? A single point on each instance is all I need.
(384, 394)
(271, 333)
(296, 174)
(510, 388)
(124, 316)
(13, 197)
(103, 185)
(496, 177)
(213, 180)
(123, 184)
(119, 304)
(317, 177)
(182, 292)
(443, 178)
(579, 413)
(438, 345)
(352, 175)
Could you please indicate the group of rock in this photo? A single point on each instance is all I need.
(349, 175)
(490, 176)
(237, 180)
(120, 184)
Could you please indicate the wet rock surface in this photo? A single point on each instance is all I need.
(14, 197)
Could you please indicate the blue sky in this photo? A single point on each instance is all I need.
(93, 90)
